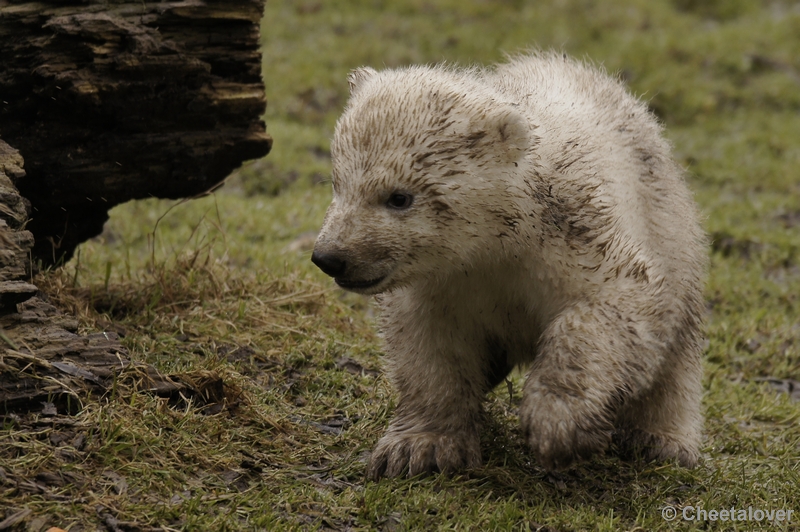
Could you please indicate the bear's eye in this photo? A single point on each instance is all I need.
(400, 200)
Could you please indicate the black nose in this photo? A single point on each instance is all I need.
(329, 263)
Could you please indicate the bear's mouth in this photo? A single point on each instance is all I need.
(348, 284)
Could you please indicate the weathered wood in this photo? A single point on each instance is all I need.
(111, 100)
(15, 242)
(44, 361)
(108, 101)
(42, 358)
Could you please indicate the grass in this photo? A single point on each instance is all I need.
(222, 288)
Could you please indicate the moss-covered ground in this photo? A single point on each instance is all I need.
(223, 285)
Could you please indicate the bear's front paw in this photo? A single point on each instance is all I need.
(561, 432)
(636, 444)
(415, 453)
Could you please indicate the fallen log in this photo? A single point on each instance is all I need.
(44, 362)
(110, 101)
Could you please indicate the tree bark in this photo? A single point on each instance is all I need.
(110, 101)
(15, 241)
(43, 361)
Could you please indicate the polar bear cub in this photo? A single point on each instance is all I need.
(526, 214)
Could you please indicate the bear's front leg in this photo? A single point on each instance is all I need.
(441, 382)
(436, 427)
(414, 453)
(591, 359)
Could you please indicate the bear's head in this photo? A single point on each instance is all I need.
(427, 174)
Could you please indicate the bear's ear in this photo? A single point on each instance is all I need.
(358, 76)
(509, 132)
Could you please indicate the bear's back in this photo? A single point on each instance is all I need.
(594, 135)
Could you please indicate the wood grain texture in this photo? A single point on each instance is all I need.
(15, 241)
(43, 359)
(112, 101)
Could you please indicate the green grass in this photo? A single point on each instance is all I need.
(222, 286)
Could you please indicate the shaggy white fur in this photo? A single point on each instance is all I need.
(524, 214)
